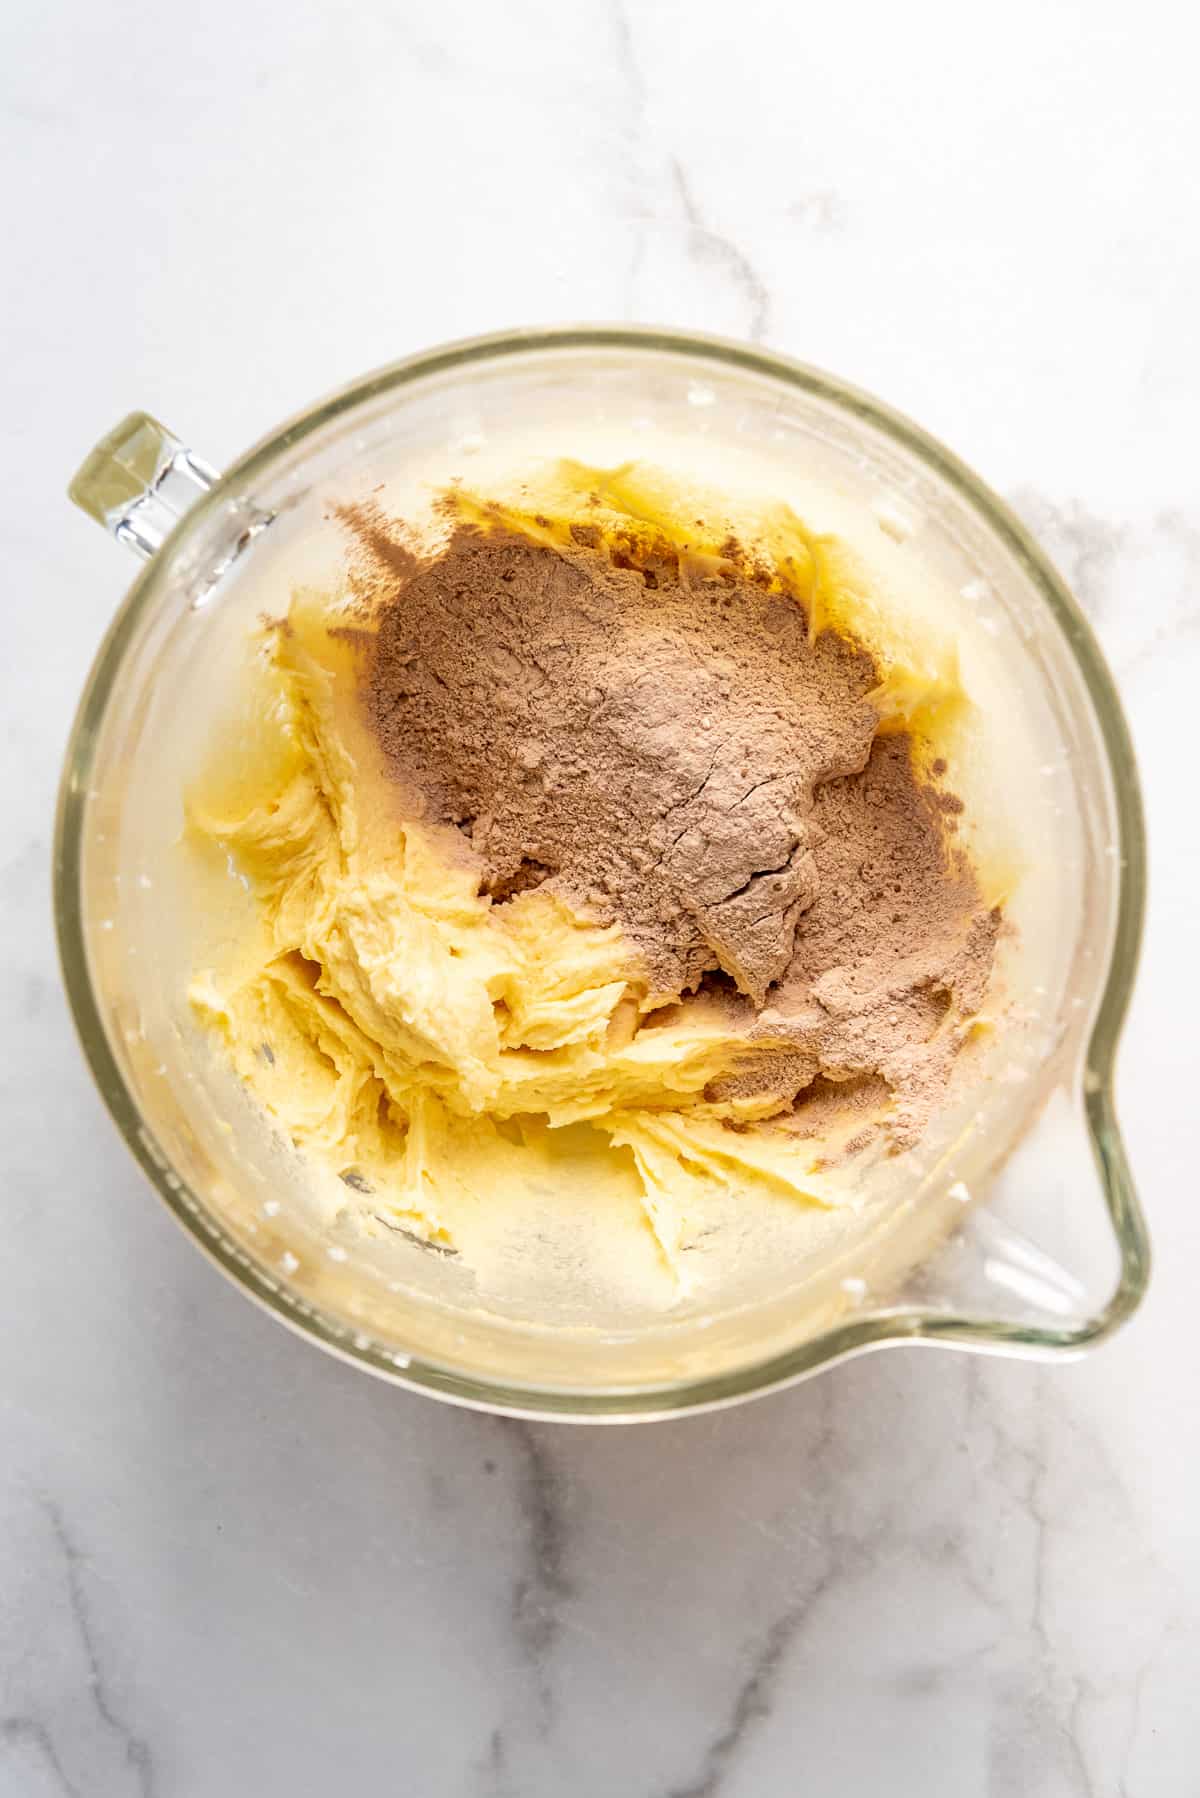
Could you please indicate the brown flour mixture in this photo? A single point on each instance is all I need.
(676, 755)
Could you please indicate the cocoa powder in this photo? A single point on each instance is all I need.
(678, 755)
(648, 748)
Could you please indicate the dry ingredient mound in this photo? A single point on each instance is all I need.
(676, 753)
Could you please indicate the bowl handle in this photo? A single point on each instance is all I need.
(139, 481)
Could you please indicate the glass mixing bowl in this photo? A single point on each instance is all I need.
(1054, 1253)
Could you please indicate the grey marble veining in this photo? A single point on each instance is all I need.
(115, 1751)
(718, 255)
(230, 1565)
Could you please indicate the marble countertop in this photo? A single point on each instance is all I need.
(230, 1565)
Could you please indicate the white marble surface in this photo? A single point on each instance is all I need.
(229, 1565)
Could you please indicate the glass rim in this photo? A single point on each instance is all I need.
(617, 1403)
